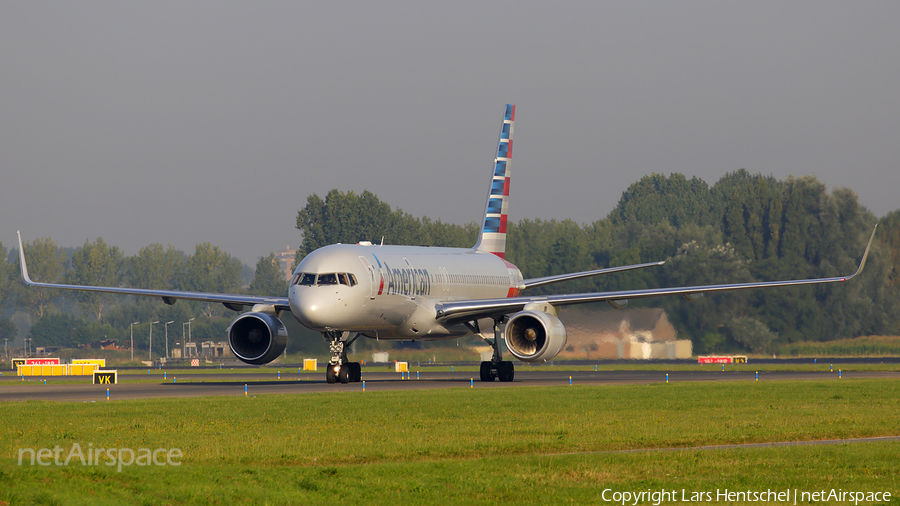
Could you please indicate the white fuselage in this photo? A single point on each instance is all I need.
(390, 292)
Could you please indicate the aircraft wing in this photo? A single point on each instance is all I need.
(546, 280)
(233, 302)
(463, 310)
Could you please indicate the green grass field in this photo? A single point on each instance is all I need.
(850, 347)
(460, 446)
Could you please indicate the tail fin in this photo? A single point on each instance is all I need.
(492, 238)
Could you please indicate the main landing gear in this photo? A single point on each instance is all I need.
(496, 367)
(339, 367)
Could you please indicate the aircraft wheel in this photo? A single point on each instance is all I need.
(330, 376)
(355, 372)
(485, 372)
(506, 371)
(344, 374)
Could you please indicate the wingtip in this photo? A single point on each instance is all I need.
(25, 276)
(862, 263)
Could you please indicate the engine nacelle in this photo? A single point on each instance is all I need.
(257, 338)
(535, 336)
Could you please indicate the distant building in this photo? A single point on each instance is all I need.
(286, 258)
(629, 333)
(103, 344)
(215, 349)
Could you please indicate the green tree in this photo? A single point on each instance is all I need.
(674, 199)
(95, 264)
(344, 217)
(8, 330)
(269, 278)
(59, 329)
(751, 334)
(748, 202)
(734, 224)
(155, 267)
(774, 226)
(703, 263)
(6, 277)
(889, 237)
(210, 269)
(46, 263)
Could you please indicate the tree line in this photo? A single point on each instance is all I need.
(745, 227)
(68, 318)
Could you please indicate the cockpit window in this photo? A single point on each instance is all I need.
(343, 278)
(327, 279)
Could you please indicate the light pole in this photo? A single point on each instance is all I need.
(188, 323)
(167, 337)
(132, 339)
(150, 354)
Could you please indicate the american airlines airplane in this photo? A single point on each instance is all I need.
(346, 291)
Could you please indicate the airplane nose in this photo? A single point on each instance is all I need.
(312, 306)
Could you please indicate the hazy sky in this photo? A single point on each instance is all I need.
(186, 122)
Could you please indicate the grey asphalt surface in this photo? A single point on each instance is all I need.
(12, 388)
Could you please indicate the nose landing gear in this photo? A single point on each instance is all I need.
(341, 369)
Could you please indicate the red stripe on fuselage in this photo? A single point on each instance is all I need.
(513, 292)
(381, 286)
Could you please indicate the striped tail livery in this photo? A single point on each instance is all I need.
(492, 238)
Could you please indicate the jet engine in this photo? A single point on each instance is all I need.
(257, 338)
(535, 336)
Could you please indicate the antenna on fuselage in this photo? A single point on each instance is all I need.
(382, 242)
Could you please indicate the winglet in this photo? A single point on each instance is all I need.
(862, 262)
(22, 261)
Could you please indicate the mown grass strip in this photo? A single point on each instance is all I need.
(477, 445)
(572, 479)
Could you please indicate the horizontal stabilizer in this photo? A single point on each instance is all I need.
(547, 280)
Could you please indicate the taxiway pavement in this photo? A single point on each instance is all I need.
(12, 388)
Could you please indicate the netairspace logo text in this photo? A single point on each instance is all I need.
(791, 496)
(112, 457)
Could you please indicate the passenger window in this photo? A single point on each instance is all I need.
(307, 279)
(327, 279)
